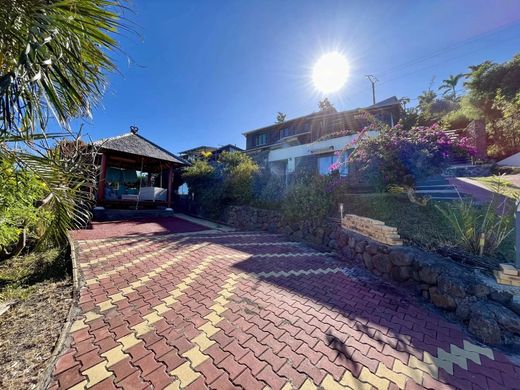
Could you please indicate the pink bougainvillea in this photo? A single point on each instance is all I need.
(399, 156)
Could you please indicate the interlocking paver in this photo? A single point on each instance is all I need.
(252, 310)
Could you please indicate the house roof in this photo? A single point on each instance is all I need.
(384, 103)
(198, 149)
(133, 143)
(392, 101)
(229, 146)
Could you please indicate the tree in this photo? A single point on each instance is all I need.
(484, 80)
(280, 117)
(54, 62)
(505, 131)
(326, 106)
(449, 86)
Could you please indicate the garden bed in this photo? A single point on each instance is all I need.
(421, 226)
(40, 287)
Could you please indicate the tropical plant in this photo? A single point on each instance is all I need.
(326, 106)
(20, 218)
(449, 86)
(53, 64)
(280, 117)
(504, 132)
(481, 229)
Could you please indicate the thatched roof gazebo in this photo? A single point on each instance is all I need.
(135, 172)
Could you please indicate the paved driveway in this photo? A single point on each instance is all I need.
(253, 311)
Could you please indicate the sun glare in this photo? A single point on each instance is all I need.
(330, 72)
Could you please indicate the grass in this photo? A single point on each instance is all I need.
(20, 276)
(424, 226)
(509, 189)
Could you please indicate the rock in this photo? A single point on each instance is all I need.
(463, 311)
(347, 252)
(515, 304)
(271, 228)
(372, 249)
(401, 274)
(502, 315)
(485, 328)
(360, 246)
(451, 286)
(297, 235)
(319, 233)
(401, 257)
(382, 263)
(429, 273)
(502, 297)
(479, 290)
(333, 244)
(352, 242)
(367, 260)
(441, 300)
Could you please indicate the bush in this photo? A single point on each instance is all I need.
(481, 229)
(19, 191)
(268, 190)
(309, 198)
(399, 156)
(215, 185)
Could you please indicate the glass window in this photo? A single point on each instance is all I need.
(261, 139)
(324, 164)
(284, 132)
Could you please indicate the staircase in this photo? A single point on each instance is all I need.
(437, 188)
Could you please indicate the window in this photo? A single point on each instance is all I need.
(324, 164)
(260, 139)
(284, 132)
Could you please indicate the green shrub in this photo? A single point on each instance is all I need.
(481, 229)
(238, 170)
(215, 185)
(19, 190)
(268, 190)
(308, 199)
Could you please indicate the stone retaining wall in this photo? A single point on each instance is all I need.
(374, 229)
(491, 314)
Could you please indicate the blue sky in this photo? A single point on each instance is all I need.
(203, 72)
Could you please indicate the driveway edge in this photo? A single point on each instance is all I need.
(73, 311)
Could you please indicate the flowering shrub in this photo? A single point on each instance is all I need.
(399, 156)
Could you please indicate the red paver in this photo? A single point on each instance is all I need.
(266, 327)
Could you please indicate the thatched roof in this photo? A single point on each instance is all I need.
(133, 143)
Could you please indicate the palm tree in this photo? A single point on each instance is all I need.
(54, 58)
(449, 85)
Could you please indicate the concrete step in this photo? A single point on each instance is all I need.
(435, 187)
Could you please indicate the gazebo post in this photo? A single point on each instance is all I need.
(102, 178)
(170, 187)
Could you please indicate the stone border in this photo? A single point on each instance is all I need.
(63, 341)
(489, 313)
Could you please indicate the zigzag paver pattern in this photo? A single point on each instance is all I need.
(250, 310)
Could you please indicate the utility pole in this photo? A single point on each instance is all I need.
(373, 80)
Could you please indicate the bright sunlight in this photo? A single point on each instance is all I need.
(330, 72)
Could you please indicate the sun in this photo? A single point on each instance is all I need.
(330, 72)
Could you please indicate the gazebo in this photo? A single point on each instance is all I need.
(135, 173)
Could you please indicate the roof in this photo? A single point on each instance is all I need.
(136, 144)
(229, 146)
(392, 101)
(198, 148)
(384, 103)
